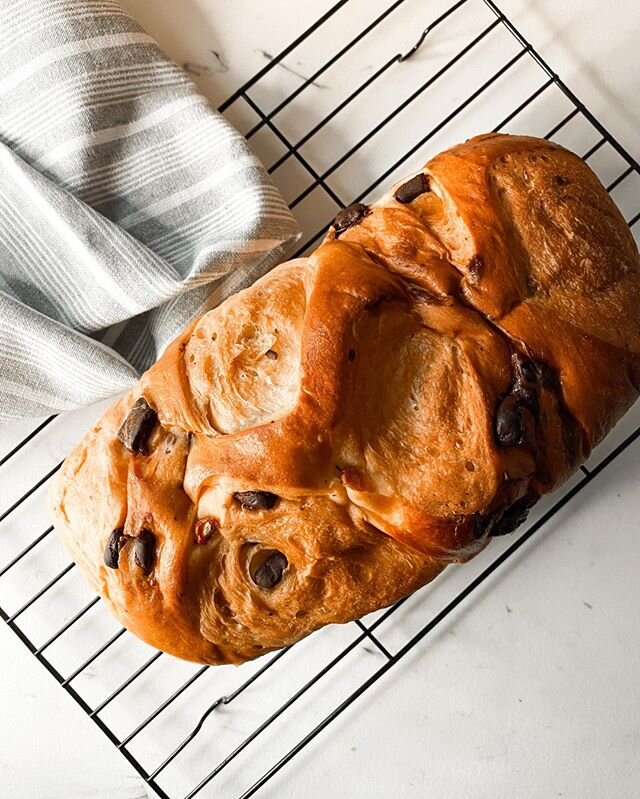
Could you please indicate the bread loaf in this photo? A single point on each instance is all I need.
(328, 440)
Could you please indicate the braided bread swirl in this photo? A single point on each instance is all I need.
(329, 439)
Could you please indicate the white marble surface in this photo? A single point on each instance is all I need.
(530, 688)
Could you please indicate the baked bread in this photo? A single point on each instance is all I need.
(328, 440)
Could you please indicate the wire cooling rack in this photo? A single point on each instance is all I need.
(194, 731)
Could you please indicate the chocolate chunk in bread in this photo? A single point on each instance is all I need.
(514, 515)
(509, 423)
(270, 572)
(349, 217)
(419, 184)
(529, 370)
(116, 541)
(256, 500)
(144, 550)
(138, 426)
(505, 520)
(516, 412)
(474, 267)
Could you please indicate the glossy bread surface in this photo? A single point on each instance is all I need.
(326, 441)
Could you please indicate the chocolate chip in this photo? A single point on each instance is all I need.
(256, 500)
(548, 377)
(205, 529)
(529, 377)
(527, 398)
(505, 520)
(559, 180)
(475, 266)
(144, 550)
(514, 515)
(271, 571)
(528, 369)
(350, 216)
(413, 188)
(517, 412)
(509, 427)
(526, 378)
(137, 427)
(116, 541)
(481, 522)
(272, 355)
(533, 372)
(351, 355)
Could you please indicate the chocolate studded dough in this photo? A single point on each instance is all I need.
(328, 440)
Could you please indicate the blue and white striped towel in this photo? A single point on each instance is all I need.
(127, 204)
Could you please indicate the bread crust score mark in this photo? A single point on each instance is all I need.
(328, 440)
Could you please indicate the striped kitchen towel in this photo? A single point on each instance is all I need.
(127, 204)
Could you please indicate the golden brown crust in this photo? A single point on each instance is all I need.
(395, 399)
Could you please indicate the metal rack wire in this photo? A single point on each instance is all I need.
(514, 90)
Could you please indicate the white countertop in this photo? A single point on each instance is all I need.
(530, 688)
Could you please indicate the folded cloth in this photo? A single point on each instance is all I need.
(127, 204)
